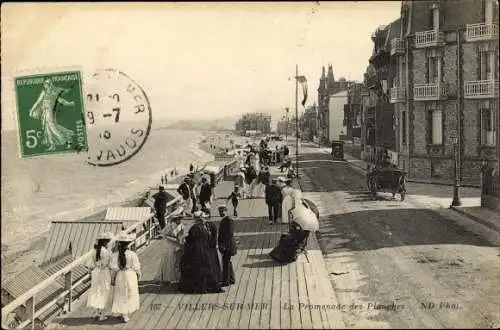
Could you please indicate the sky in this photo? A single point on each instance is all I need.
(194, 60)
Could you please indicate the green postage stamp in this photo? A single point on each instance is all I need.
(50, 113)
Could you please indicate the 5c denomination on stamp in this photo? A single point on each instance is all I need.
(118, 117)
(50, 113)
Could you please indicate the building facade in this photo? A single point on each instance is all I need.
(308, 123)
(336, 128)
(379, 124)
(327, 87)
(446, 87)
(256, 122)
(352, 111)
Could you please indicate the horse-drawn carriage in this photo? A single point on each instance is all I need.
(386, 179)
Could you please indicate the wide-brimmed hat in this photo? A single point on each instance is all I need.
(106, 235)
(222, 208)
(186, 179)
(124, 237)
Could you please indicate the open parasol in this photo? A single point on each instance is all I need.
(306, 218)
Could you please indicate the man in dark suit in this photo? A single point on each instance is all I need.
(227, 246)
(273, 200)
(205, 195)
(161, 199)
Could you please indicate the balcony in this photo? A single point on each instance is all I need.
(481, 89)
(430, 92)
(397, 46)
(481, 31)
(431, 38)
(398, 95)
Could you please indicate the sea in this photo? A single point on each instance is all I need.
(37, 190)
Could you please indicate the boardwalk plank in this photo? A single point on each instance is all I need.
(305, 314)
(163, 301)
(222, 299)
(267, 294)
(285, 310)
(169, 311)
(295, 321)
(276, 296)
(235, 312)
(312, 292)
(259, 272)
(139, 317)
(249, 297)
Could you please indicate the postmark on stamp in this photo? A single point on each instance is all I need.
(118, 117)
(50, 113)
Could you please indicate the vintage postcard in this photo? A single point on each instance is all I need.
(250, 165)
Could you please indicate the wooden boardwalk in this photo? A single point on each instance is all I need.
(266, 295)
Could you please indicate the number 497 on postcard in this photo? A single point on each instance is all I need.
(50, 113)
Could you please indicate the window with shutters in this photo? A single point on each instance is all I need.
(433, 70)
(436, 126)
(488, 133)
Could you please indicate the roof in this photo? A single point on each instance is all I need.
(393, 31)
(128, 215)
(80, 234)
(24, 281)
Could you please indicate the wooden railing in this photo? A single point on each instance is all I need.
(481, 89)
(429, 38)
(481, 31)
(147, 229)
(426, 92)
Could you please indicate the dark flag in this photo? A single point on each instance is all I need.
(303, 82)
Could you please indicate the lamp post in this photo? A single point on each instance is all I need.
(456, 196)
(286, 128)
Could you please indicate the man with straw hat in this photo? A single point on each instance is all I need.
(127, 271)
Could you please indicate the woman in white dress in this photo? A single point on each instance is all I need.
(287, 204)
(172, 244)
(99, 296)
(127, 270)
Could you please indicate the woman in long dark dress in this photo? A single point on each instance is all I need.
(197, 274)
(291, 244)
(212, 251)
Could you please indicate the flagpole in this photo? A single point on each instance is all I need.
(296, 120)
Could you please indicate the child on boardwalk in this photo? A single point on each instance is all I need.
(234, 199)
(127, 269)
(99, 296)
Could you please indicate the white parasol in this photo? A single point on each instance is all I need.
(305, 218)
